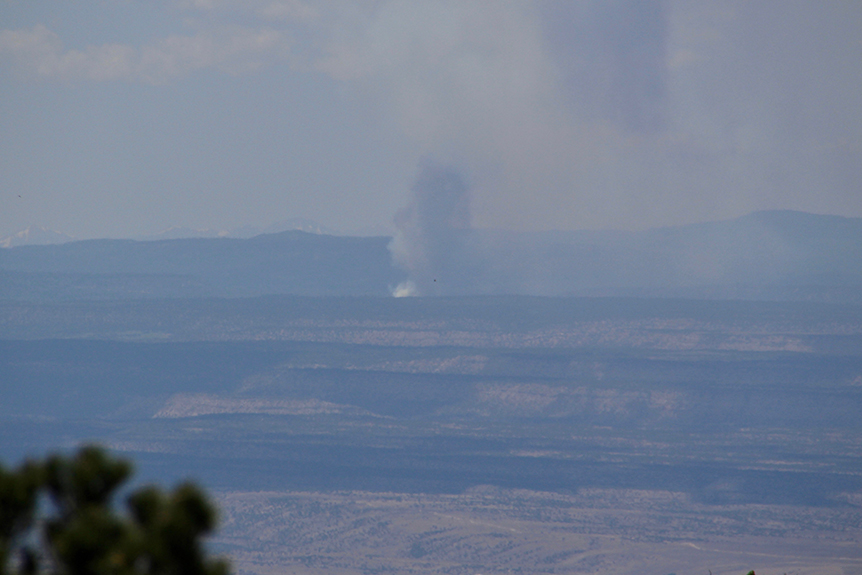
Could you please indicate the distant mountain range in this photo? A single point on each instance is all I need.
(40, 236)
(288, 262)
(776, 255)
(293, 224)
(35, 236)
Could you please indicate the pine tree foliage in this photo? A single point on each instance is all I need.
(58, 517)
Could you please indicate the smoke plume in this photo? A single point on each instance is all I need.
(432, 232)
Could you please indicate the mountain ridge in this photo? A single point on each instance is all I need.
(778, 254)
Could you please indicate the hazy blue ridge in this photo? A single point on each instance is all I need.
(288, 262)
(775, 255)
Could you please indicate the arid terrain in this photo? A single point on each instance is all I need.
(492, 530)
(469, 435)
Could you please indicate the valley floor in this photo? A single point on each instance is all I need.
(491, 530)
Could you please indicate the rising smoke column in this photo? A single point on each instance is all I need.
(432, 231)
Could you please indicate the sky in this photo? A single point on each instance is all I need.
(121, 118)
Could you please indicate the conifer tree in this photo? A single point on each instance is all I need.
(58, 516)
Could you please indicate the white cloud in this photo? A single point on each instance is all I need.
(234, 50)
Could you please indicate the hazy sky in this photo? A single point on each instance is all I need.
(122, 117)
